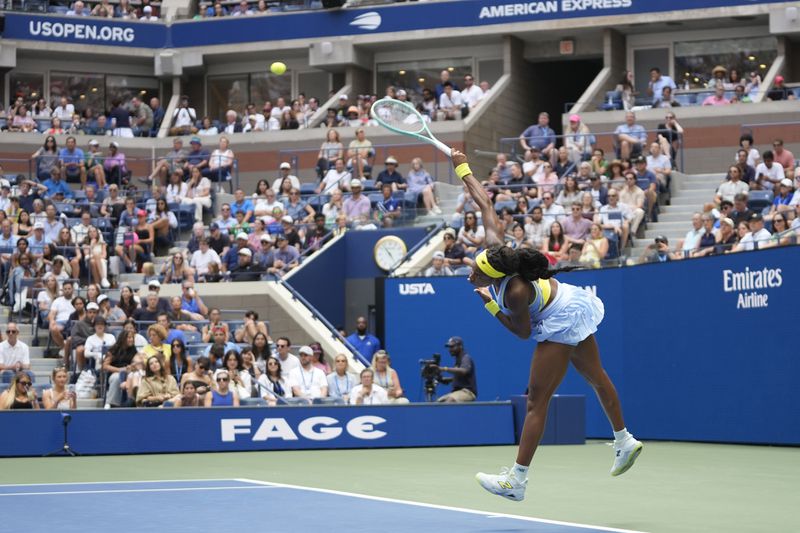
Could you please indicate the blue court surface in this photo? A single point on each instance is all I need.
(240, 505)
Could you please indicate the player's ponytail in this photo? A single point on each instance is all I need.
(527, 262)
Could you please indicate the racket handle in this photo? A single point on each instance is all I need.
(443, 147)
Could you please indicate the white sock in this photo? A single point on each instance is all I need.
(621, 435)
(520, 472)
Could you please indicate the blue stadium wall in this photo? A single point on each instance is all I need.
(349, 261)
(696, 353)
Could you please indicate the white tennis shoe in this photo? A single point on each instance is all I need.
(506, 484)
(625, 455)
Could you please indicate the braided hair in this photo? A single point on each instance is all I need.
(528, 263)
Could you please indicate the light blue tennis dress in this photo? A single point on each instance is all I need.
(572, 316)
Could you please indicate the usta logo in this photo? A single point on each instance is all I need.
(413, 289)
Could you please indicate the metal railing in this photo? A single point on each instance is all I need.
(511, 145)
(414, 249)
(317, 315)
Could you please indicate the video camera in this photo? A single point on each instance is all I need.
(430, 367)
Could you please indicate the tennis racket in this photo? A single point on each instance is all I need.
(401, 117)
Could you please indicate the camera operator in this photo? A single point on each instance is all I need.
(465, 387)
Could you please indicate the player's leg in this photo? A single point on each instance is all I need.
(550, 363)
(586, 360)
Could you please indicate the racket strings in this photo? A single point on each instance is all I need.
(398, 116)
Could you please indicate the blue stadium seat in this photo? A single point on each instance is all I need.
(374, 198)
(368, 185)
(307, 188)
(253, 402)
(758, 200)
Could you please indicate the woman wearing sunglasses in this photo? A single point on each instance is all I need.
(20, 394)
(223, 396)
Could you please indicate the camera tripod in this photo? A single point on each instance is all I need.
(66, 449)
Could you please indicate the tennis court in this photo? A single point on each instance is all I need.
(675, 487)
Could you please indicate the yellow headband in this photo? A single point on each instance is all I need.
(486, 268)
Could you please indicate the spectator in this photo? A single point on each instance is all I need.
(245, 269)
(454, 253)
(630, 137)
(657, 83)
(157, 386)
(55, 127)
(46, 158)
(779, 91)
(22, 121)
(782, 202)
(288, 361)
(450, 103)
(726, 239)
(718, 98)
(336, 178)
(306, 380)
(65, 110)
(142, 117)
(340, 381)
(659, 164)
(120, 120)
(464, 384)
(391, 176)
(241, 382)
(298, 209)
(387, 378)
(692, 239)
(221, 161)
(158, 113)
(540, 136)
(223, 395)
(556, 244)
(202, 257)
(272, 384)
(535, 228)
(740, 212)
(615, 217)
(595, 247)
(532, 166)
(648, 183)
(19, 394)
(471, 235)
(757, 237)
(217, 240)
(14, 355)
(747, 173)
(114, 166)
(71, 163)
(330, 150)
(367, 393)
(285, 175)
(471, 94)
(357, 205)
(732, 186)
(768, 173)
(198, 157)
(444, 78)
(438, 268)
(708, 239)
(59, 396)
(97, 345)
(784, 158)
(570, 193)
(60, 311)
(183, 119)
(577, 139)
(657, 252)
(666, 100)
(576, 228)
(358, 153)
(191, 301)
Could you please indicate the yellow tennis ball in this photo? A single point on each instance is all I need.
(278, 68)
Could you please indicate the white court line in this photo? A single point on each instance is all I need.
(126, 491)
(116, 482)
(441, 507)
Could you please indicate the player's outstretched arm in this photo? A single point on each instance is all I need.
(491, 224)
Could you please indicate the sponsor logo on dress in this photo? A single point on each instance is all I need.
(749, 284)
(367, 21)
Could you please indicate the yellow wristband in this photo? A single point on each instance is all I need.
(492, 307)
(463, 170)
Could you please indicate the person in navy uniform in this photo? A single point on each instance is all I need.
(363, 341)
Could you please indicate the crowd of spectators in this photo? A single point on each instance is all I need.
(722, 86)
(165, 352)
(133, 118)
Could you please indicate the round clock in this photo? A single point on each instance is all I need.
(389, 251)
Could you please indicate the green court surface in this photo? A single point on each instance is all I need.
(674, 487)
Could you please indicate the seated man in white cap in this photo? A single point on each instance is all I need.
(308, 381)
(245, 269)
(391, 176)
(358, 205)
(231, 257)
(285, 173)
(438, 268)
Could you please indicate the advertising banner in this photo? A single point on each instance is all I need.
(85, 30)
(698, 350)
(124, 431)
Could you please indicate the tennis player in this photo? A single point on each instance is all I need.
(518, 288)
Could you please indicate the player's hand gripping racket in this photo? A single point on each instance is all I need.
(401, 117)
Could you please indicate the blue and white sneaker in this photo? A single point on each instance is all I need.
(625, 454)
(506, 484)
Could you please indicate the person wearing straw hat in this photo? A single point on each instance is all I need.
(718, 75)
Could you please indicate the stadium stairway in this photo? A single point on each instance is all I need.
(689, 193)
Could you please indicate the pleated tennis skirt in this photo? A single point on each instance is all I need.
(570, 318)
